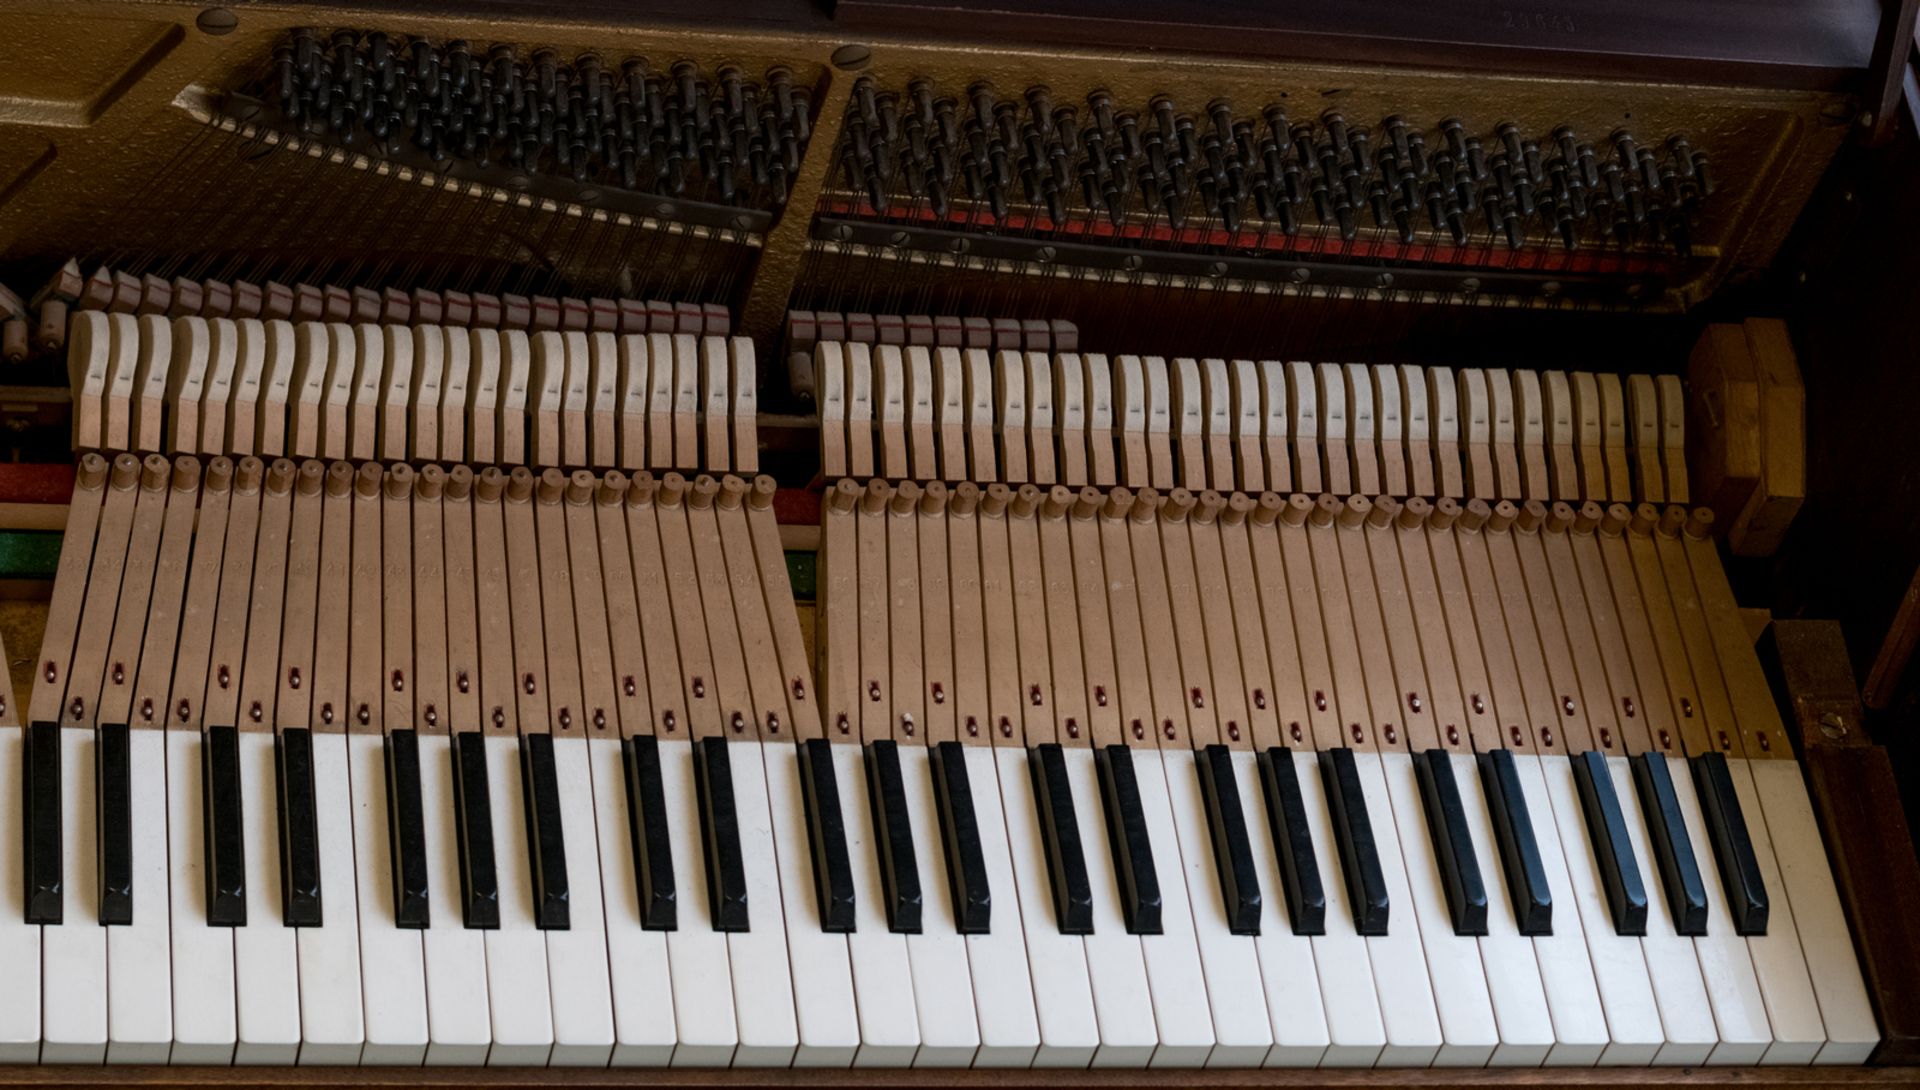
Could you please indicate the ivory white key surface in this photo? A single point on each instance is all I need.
(123, 354)
(513, 398)
(1566, 975)
(1182, 1008)
(1042, 466)
(1303, 399)
(643, 1024)
(517, 989)
(307, 390)
(266, 963)
(139, 967)
(393, 977)
(702, 980)
(577, 955)
(1062, 994)
(1363, 439)
(332, 1022)
(823, 999)
(1414, 1033)
(1807, 882)
(74, 995)
(186, 383)
(154, 353)
(1619, 962)
(547, 399)
(459, 1030)
(1284, 970)
(716, 404)
(762, 980)
(19, 941)
(1097, 384)
(602, 362)
(1116, 967)
(483, 395)
(1356, 1031)
(882, 972)
(336, 406)
(455, 374)
(1513, 982)
(204, 1028)
(1002, 982)
(1453, 966)
(1706, 1022)
(1333, 428)
(423, 401)
(223, 352)
(1793, 1014)
(942, 982)
(630, 401)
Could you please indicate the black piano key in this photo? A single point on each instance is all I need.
(546, 840)
(1232, 851)
(1353, 833)
(1607, 835)
(1128, 840)
(1293, 843)
(1672, 847)
(1060, 833)
(1460, 874)
(113, 826)
(300, 895)
(1519, 851)
(826, 837)
(893, 838)
(473, 827)
(1732, 845)
(720, 833)
(647, 827)
(40, 805)
(225, 839)
(406, 830)
(960, 836)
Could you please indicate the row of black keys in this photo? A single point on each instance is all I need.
(1464, 884)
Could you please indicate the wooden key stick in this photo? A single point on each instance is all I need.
(1258, 684)
(1363, 439)
(1484, 677)
(1475, 408)
(431, 711)
(146, 699)
(1503, 433)
(1130, 421)
(599, 354)
(1047, 513)
(723, 624)
(1390, 424)
(1038, 700)
(905, 652)
(334, 602)
(1562, 436)
(1285, 636)
(1330, 582)
(777, 587)
(138, 582)
(1217, 432)
(424, 442)
(1197, 685)
(1408, 719)
(600, 703)
(673, 555)
(1133, 644)
(1103, 696)
(1531, 432)
(838, 633)
(1330, 379)
(1070, 407)
(1590, 432)
(635, 660)
(1249, 445)
(970, 697)
(497, 682)
(1042, 465)
(936, 618)
(299, 640)
(1443, 410)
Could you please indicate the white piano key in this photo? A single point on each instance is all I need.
(1619, 962)
(517, 991)
(1285, 970)
(942, 981)
(577, 956)
(828, 1020)
(762, 981)
(882, 973)
(1356, 1030)
(1182, 1005)
(19, 941)
(393, 976)
(1002, 984)
(1520, 1008)
(1116, 967)
(1703, 996)
(139, 988)
(1580, 1036)
(333, 1027)
(1062, 994)
(1414, 1035)
(204, 1028)
(459, 1029)
(1452, 962)
(75, 992)
(643, 1027)
(266, 970)
(701, 978)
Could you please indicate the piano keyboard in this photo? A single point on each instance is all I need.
(955, 414)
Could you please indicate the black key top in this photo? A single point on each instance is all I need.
(1293, 843)
(1672, 847)
(546, 840)
(1732, 846)
(1607, 833)
(647, 828)
(1353, 833)
(225, 836)
(40, 805)
(113, 827)
(406, 830)
(720, 833)
(1519, 851)
(960, 836)
(1232, 852)
(300, 902)
(893, 838)
(473, 826)
(1127, 838)
(1452, 842)
(1060, 831)
(827, 837)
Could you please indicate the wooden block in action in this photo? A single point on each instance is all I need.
(1762, 523)
(1723, 421)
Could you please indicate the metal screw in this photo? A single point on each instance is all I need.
(217, 21)
(1833, 725)
(851, 57)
